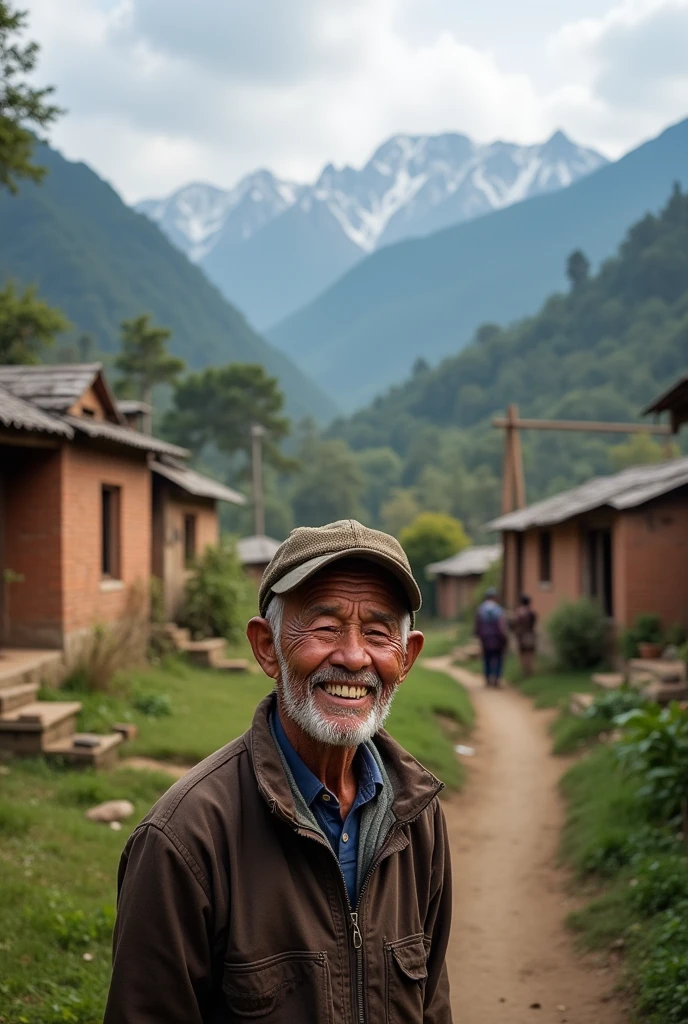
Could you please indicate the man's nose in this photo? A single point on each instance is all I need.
(351, 652)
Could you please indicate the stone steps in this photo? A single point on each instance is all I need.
(205, 653)
(658, 680)
(12, 697)
(232, 665)
(86, 749)
(609, 680)
(19, 666)
(29, 729)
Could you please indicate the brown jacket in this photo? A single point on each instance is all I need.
(231, 910)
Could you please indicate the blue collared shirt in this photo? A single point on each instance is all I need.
(342, 835)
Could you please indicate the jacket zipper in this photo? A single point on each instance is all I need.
(356, 935)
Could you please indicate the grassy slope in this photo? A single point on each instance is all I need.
(57, 871)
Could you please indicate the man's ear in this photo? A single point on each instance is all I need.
(259, 633)
(414, 646)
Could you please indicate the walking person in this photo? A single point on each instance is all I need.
(523, 627)
(492, 631)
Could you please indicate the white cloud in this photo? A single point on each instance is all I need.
(160, 92)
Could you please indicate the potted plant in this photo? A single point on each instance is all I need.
(649, 636)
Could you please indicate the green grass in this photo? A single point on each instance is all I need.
(57, 888)
(429, 713)
(549, 688)
(637, 874)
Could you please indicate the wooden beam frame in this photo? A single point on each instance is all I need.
(513, 477)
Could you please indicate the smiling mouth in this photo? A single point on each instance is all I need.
(348, 692)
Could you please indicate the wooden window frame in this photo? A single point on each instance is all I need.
(189, 539)
(545, 558)
(111, 532)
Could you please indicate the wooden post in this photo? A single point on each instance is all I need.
(257, 435)
(513, 481)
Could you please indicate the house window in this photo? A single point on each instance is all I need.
(189, 540)
(545, 552)
(600, 569)
(110, 532)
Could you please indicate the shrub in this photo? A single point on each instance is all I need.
(659, 883)
(655, 749)
(216, 593)
(154, 705)
(614, 703)
(579, 632)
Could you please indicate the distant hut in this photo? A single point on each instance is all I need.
(255, 553)
(457, 578)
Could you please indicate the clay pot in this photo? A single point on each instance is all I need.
(649, 652)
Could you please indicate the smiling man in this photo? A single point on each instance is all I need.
(301, 874)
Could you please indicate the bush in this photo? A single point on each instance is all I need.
(614, 703)
(154, 705)
(579, 633)
(216, 593)
(655, 750)
(659, 883)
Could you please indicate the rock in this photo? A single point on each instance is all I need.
(115, 826)
(88, 957)
(111, 810)
(126, 729)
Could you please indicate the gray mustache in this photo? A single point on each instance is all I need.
(337, 674)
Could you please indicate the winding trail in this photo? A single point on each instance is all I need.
(511, 959)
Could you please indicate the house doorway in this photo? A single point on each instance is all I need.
(600, 573)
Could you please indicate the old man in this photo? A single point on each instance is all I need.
(301, 874)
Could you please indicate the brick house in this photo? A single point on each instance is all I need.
(621, 540)
(457, 578)
(89, 506)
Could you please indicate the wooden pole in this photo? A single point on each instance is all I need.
(513, 477)
(257, 435)
(587, 426)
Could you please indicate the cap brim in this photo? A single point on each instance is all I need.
(297, 576)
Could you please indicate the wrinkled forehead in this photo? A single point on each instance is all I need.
(350, 582)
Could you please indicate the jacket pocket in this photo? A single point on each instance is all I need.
(406, 973)
(283, 988)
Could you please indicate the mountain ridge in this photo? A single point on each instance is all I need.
(101, 262)
(430, 294)
(411, 185)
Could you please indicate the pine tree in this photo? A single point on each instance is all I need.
(23, 108)
(144, 361)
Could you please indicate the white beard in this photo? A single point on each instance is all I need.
(304, 710)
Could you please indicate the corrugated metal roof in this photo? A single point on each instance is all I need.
(195, 483)
(14, 412)
(256, 550)
(628, 489)
(103, 430)
(470, 562)
(49, 387)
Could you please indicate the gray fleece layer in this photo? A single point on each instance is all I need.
(377, 816)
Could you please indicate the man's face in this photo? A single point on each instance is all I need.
(341, 653)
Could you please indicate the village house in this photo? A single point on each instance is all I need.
(255, 553)
(457, 578)
(90, 508)
(621, 540)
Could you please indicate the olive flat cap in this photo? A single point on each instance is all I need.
(310, 548)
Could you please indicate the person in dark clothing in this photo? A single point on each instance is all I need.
(523, 627)
(491, 630)
(301, 874)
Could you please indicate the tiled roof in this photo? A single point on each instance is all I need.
(130, 406)
(195, 483)
(54, 388)
(14, 412)
(103, 430)
(256, 550)
(628, 489)
(470, 562)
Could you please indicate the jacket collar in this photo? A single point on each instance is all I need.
(414, 786)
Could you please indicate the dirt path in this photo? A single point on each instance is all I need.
(511, 960)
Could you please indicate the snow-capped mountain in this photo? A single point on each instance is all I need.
(197, 216)
(272, 245)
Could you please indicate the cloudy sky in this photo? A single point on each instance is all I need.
(162, 92)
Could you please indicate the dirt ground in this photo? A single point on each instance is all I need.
(511, 959)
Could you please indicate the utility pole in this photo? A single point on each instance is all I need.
(257, 435)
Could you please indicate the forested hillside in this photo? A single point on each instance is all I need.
(602, 351)
(427, 296)
(102, 263)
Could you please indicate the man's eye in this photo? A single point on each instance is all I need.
(327, 629)
(378, 634)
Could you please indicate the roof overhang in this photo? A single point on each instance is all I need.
(196, 484)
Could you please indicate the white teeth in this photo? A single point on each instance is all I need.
(344, 690)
